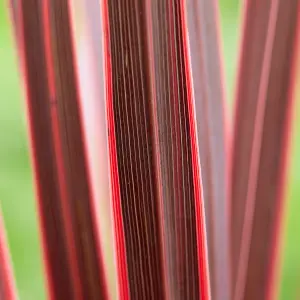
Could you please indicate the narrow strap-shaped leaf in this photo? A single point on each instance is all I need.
(79, 205)
(66, 209)
(256, 19)
(158, 205)
(208, 99)
(265, 189)
(183, 219)
(38, 105)
(7, 284)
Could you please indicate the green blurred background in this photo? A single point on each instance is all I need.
(16, 185)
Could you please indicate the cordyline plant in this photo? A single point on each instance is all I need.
(144, 191)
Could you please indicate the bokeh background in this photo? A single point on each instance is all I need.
(16, 180)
